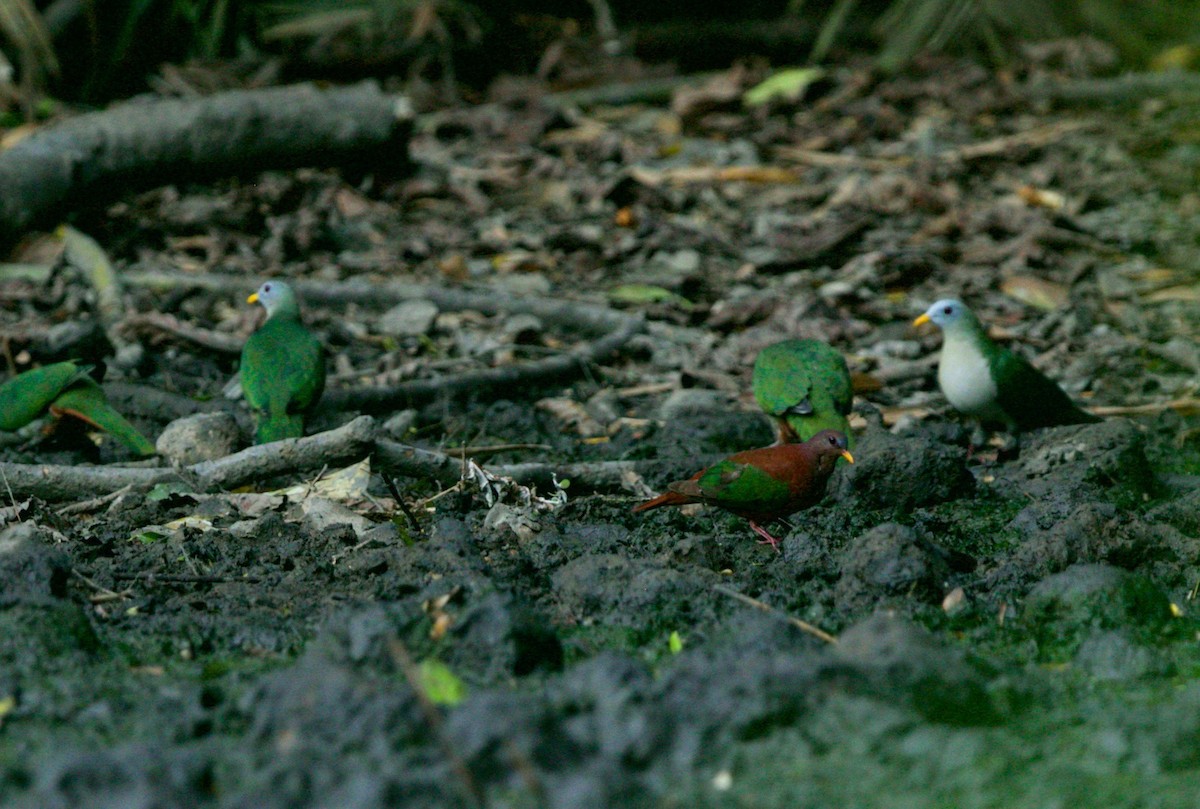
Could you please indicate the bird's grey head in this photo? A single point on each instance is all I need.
(274, 296)
(945, 313)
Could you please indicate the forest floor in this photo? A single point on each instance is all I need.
(1009, 629)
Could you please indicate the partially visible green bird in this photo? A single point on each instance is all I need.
(805, 386)
(27, 395)
(86, 401)
(65, 389)
(283, 366)
(990, 383)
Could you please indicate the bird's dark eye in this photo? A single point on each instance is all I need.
(267, 288)
(948, 310)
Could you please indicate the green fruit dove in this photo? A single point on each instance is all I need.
(804, 385)
(283, 366)
(86, 401)
(65, 389)
(761, 485)
(990, 383)
(27, 395)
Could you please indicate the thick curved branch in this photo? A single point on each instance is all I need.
(347, 443)
(375, 398)
(615, 328)
(142, 144)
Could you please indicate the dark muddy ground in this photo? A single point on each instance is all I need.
(1010, 631)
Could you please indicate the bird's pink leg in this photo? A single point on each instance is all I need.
(767, 539)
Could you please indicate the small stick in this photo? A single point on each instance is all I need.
(803, 626)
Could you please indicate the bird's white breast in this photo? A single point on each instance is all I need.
(966, 380)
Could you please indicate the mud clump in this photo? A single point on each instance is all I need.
(888, 561)
(1071, 465)
(1062, 611)
(898, 473)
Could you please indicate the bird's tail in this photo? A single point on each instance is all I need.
(664, 499)
(277, 428)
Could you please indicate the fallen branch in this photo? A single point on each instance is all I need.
(347, 443)
(615, 327)
(170, 140)
(803, 626)
(568, 365)
(161, 326)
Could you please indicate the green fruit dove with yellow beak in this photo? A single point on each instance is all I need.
(283, 366)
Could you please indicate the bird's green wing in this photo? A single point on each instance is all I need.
(86, 400)
(1028, 397)
(26, 396)
(283, 375)
(739, 486)
(806, 383)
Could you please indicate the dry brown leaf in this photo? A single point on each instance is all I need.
(572, 415)
(1036, 292)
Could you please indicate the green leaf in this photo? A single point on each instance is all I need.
(148, 537)
(162, 491)
(646, 293)
(441, 685)
(788, 85)
(675, 643)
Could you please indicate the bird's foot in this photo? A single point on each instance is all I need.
(767, 539)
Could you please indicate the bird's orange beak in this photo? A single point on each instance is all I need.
(253, 298)
(922, 320)
(846, 454)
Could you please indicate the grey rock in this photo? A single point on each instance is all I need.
(199, 437)
(692, 401)
(409, 318)
(398, 424)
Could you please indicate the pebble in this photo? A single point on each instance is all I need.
(409, 318)
(199, 437)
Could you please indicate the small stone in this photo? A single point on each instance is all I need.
(690, 401)
(398, 424)
(199, 437)
(523, 329)
(408, 318)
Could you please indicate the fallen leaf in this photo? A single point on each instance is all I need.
(786, 85)
(1036, 292)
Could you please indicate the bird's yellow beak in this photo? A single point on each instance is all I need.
(253, 298)
(922, 320)
(846, 454)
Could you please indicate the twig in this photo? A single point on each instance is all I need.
(803, 626)
(1187, 406)
(1131, 87)
(1038, 136)
(160, 323)
(409, 461)
(90, 505)
(103, 593)
(184, 578)
(412, 518)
